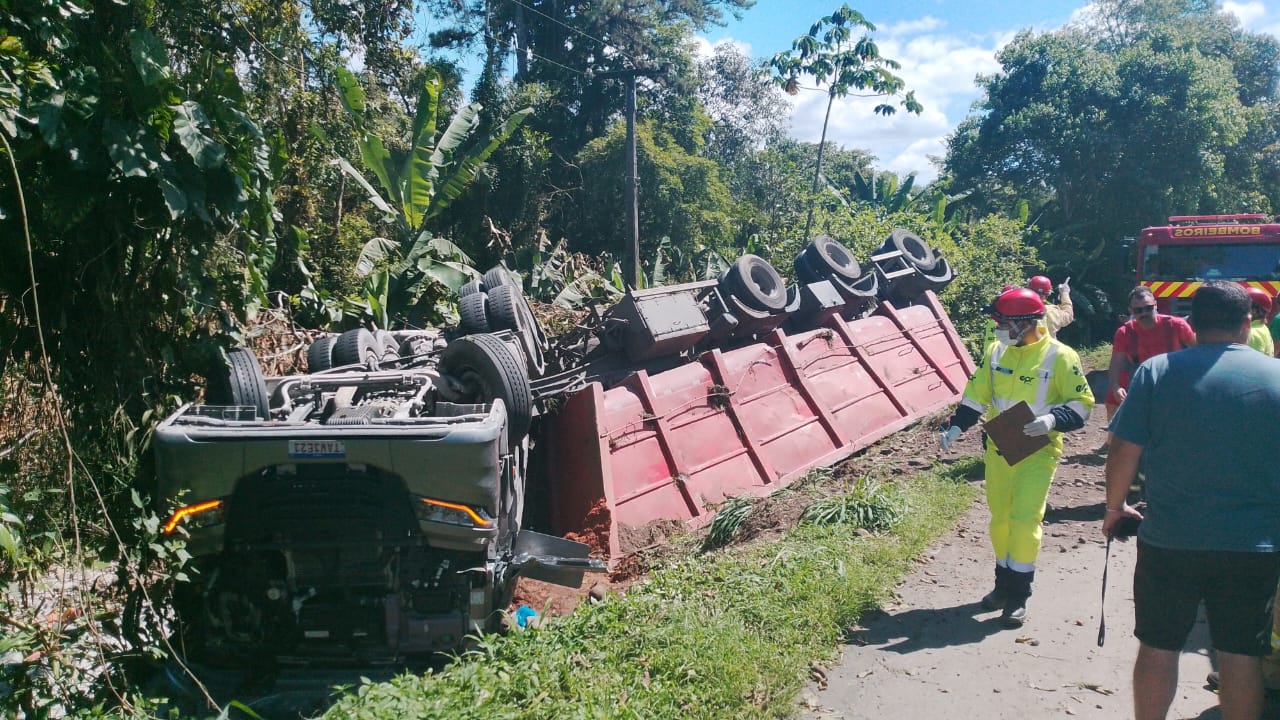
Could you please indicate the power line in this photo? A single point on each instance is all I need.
(532, 54)
(574, 29)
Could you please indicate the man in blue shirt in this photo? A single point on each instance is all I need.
(1202, 423)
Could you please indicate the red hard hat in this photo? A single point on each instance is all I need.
(1017, 304)
(1007, 288)
(1259, 298)
(1041, 284)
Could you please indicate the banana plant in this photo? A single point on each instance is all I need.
(882, 190)
(399, 271)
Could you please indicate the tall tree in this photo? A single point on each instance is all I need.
(836, 56)
(145, 188)
(1147, 109)
(746, 108)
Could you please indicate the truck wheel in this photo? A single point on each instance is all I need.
(473, 313)
(508, 310)
(828, 257)
(753, 281)
(939, 276)
(805, 271)
(357, 347)
(498, 276)
(470, 288)
(913, 249)
(488, 369)
(320, 354)
(388, 347)
(238, 380)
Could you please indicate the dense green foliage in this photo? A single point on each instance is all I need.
(172, 171)
(1144, 110)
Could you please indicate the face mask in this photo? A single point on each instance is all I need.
(1008, 337)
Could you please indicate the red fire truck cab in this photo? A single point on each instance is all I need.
(1175, 259)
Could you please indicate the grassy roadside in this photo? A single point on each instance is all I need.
(1096, 357)
(729, 634)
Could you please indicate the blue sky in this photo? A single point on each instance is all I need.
(942, 45)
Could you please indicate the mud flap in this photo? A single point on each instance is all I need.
(551, 559)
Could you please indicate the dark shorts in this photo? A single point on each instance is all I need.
(1237, 589)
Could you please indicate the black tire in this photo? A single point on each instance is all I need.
(531, 322)
(498, 276)
(805, 272)
(388, 346)
(488, 369)
(939, 276)
(914, 250)
(320, 354)
(357, 347)
(473, 313)
(755, 283)
(508, 310)
(238, 380)
(828, 257)
(504, 308)
(470, 288)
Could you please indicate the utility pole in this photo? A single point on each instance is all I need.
(631, 256)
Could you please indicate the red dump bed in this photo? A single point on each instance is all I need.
(751, 420)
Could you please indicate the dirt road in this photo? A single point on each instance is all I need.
(935, 653)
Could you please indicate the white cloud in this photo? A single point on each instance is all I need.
(704, 48)
(908, 27)
(939, 67)
(1247, 12)
(1254, 17)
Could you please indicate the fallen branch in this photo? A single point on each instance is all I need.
(21, 441)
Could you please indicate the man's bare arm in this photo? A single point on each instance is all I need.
(1122, 469)
(1119, 365)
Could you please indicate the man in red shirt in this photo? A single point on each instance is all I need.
(1144, 336)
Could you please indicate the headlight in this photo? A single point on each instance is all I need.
(431, 510)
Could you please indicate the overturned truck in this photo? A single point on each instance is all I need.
(374, 508)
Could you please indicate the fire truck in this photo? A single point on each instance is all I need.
(1176, 259)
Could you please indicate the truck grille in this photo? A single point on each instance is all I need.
(320, 505)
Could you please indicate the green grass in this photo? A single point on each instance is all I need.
(729, 634)
(729, 518)
(1097, 357)
(869, 504)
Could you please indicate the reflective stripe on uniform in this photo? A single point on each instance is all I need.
(1001, 404)
(1044, 378)
(1046, 374)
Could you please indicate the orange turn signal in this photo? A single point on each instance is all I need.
(475, 517)
(185, 512)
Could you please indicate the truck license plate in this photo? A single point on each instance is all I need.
(317, 449)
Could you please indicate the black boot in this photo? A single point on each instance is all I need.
(994, 600)
(1015, 604)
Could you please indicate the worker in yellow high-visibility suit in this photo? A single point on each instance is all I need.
(1259, 333)
(1024, 364)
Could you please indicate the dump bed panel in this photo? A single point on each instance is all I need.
(672, 445)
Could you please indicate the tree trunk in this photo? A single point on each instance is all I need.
(817, 170)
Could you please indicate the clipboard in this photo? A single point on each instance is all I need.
(1005, 430)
